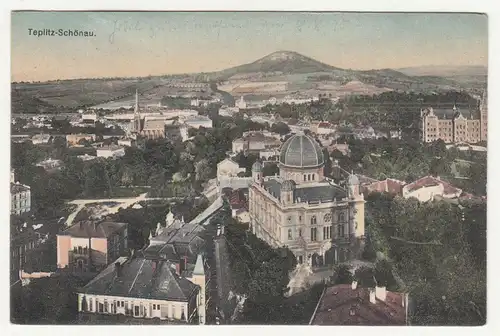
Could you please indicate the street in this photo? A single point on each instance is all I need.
(223, 280)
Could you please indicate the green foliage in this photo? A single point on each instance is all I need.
(439, 251)
(46, 301)
(342, 274)
(270, 169)
(280, 128)
(365, 276)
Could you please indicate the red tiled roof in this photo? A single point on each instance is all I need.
(429, 181)
(388, 185)
(341, 305)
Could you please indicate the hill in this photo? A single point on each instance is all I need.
(280, 62)
(279, 74)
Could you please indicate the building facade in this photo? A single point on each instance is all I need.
(453, 127)
(88, 246)
(318, 220)
(110, 151)
(140, 288)
(20, 196)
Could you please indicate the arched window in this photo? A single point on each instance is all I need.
(289, 234)
(341, 217)
(305, 178)
(309, 177)
(313, 220)
(313, 176)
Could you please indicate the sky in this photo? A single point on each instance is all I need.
(156, 43)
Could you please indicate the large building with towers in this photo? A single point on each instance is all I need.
(320, 221)
(455, 126)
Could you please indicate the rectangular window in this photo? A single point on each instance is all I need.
(91, 304)
(341, 231)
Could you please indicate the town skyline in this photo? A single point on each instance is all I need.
(166, 43)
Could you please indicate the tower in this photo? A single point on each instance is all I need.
(199, 279)
(287, 191)
(357, 207)
(483, 116)
(257, 172)
(137, 116)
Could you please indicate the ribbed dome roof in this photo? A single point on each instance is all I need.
(301, 151)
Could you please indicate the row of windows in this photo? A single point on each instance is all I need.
(327, 218)
(309, 177)
(138, 310)
(327, 232)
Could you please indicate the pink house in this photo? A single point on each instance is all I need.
(91, 245)
(389, 185)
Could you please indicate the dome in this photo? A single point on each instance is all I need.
(301, 151)
(288, 185)
(257, 167)
(353, 179)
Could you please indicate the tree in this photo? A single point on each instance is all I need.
(270, 169)
(280, 128)
(202, 169)
(365, 276)
(342, 274)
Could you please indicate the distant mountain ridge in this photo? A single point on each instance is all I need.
(445, 70)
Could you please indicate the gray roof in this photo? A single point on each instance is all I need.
(453, 113)
(16, 188)
(142, 278)
(323, 192)
(301, 151)
(175, 243)
(93, 229)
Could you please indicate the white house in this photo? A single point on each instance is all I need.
(40, 139)
(228, 168)
(426, 188)
(198, 121)
(145, 289)
(126, 142)
(110, 151)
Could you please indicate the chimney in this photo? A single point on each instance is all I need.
(118, 268)
(380, 293)
(182, 264)
(354, 285)
(372, 296)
